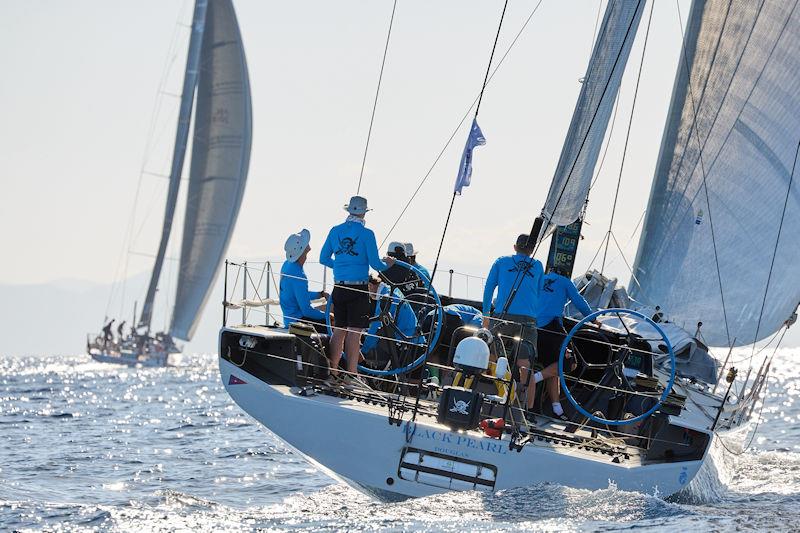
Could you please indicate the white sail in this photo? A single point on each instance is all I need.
(220, 160)
(734, 123)
(178, 154)
(593, 109)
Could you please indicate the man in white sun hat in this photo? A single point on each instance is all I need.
(411, 253)
(405, 251)
(294, 294)
(350, 250)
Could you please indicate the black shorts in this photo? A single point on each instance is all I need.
(319, 325)
(549, 343)
(351, 306)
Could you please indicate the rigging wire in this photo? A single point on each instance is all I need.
(775, 251)
(377, 93)
(589, 127)
(716, 115)
(627, 138)
(477, 109)
(127, 241)
(458, 126)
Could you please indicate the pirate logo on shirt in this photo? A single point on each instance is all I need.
(548, 285)
(346, 246)
(524, 267)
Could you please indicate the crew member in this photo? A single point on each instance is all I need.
(350, 250)
(120, 334)
(107, 335)
(557, 290)
(405, 319)
(295, 297)
(411, 253)
(518, 280)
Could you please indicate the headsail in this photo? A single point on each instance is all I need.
(590, 119)
(220, 159)
(734, 122)
(179, 152)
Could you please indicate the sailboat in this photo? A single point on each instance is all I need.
(649, 401)
(216, 72)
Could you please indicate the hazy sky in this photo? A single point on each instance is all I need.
(81, 81)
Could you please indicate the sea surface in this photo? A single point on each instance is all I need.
(88, 446)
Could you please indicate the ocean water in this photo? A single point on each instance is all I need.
(88, 446)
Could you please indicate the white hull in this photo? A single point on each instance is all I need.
(354, 441)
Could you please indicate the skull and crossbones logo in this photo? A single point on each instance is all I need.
(346, 246)
(460, 406)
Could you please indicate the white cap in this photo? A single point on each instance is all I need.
(394, 245)
(296, 244)
(410, 250)
(357, 206)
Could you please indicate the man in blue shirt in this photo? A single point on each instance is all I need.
(518, 280)
(295, 297)
(350, 250)
(557, 290)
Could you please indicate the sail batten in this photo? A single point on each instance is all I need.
(573, 175)
(220, 160)
(178, 154)
(729, 145)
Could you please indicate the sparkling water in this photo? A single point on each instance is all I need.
(92, 446)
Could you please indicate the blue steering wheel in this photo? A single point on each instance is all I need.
(568, 394)
(434, 338)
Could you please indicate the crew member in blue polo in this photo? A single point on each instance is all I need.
(518, 281)
(557, 290)
(294, 294)
(350, 250)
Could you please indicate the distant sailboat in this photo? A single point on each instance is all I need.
(216, 69)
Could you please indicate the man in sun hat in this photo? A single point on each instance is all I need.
(295, 297)
(350, 250)
(411, 253)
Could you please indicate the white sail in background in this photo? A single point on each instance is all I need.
(220, 159)
(178, 154)
(734, 122)
(593, 109)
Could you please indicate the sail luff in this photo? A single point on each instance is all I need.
(178, 154)
(572, 178)
(220, 160)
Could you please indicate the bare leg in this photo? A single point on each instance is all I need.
(524, 372)
(352, 345)
(554, 389)
(336, 347)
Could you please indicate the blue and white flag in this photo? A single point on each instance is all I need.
(475, 138)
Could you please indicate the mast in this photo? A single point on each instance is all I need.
(178, 154)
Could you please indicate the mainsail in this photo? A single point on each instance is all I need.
(590, 119)
(725, 169)
(178, 154)
(220, 159)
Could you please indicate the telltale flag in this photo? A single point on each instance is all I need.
(475, 139)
